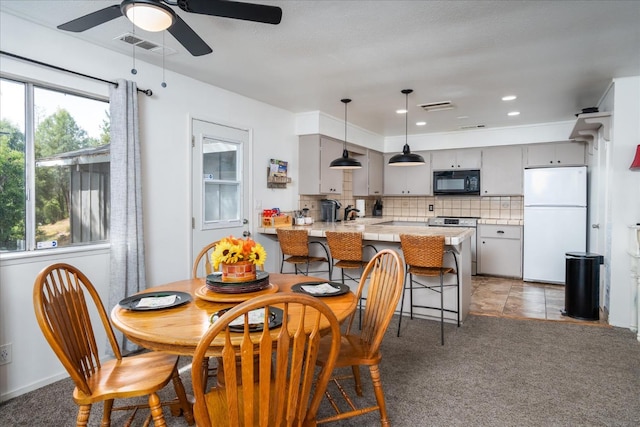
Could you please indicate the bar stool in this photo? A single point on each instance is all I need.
(424, 257)
(347, 253)
(295, 244)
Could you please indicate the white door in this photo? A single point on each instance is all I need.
(221, 190)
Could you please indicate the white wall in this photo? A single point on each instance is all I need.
(166, 158)
(624, 196)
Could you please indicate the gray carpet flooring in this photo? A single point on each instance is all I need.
(490, 372)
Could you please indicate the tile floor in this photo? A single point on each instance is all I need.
(503, 297)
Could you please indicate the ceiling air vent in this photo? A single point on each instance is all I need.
(437, 106)
(132, 39)
(467, 127)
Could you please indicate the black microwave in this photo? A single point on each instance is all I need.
(456, 182)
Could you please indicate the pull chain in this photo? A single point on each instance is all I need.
(133, 47)
(164, 48)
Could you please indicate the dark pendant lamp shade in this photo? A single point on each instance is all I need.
(345, 162)
(407, 158)
(635, 165)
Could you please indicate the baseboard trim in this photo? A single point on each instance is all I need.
(33, 386)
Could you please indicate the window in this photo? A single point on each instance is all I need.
(221, 164)
(55, 171)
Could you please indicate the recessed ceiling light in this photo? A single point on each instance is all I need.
(401, 111)
(421, 123)
(509, 98)
(513, 113)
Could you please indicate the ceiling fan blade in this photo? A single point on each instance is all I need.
(92, 20)
(233, 9)
(188, 38)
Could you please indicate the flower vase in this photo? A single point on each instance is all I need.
(241, 271)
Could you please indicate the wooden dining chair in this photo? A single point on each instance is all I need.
(269, 374)
(202, 263)
(424, 257)
(295, 244)
(346, 250)
(63, 298)
(385, 273)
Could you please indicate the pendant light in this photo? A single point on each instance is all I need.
(407, 158)
(345, 162)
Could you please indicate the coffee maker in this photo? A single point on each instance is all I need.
(329, 210)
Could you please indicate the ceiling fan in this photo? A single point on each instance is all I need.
(156, 15)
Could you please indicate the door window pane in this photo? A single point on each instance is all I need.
(221, 165)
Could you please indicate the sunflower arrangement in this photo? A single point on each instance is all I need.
(231, 250)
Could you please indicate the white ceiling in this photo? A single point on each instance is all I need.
(556, 56)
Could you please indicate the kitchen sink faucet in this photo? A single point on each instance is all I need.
(348, 210)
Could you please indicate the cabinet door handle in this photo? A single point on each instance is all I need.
(500, 232)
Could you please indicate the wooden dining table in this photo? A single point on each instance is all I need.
(178, 329)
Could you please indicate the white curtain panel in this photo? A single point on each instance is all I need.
(126, 230)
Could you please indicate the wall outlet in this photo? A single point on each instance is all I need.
(430, 208)
(5, 354)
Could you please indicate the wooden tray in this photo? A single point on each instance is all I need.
(208, 295)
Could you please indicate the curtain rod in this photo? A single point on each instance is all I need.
(147, 92)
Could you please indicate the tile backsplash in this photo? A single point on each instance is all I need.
(503, 207)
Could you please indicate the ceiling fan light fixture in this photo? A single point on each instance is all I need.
(406, 158)
(148, 15)
(345, 162)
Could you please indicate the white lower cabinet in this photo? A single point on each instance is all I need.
(500, 250)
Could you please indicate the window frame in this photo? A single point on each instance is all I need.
(30, 248)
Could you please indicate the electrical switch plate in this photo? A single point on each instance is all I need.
(430, 208)
(5, 354)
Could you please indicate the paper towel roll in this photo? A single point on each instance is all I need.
(360, 207)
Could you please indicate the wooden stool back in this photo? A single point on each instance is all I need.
(422, 251)
(293, 242)
(345, 245)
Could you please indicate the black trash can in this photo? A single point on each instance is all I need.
(582, 285)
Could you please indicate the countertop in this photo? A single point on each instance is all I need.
(372, 230)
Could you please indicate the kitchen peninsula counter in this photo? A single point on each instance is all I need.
(374, 229)
(386, 236)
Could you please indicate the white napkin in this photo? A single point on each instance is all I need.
(321, 289)
(255, 317)
(156, 301)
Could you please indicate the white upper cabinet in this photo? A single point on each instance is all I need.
(556, 154)
(464, 158)
(315, 154)
(501, 172)
(407, 180)
(368, 180)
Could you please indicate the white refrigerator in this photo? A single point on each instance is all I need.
(555, 220)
